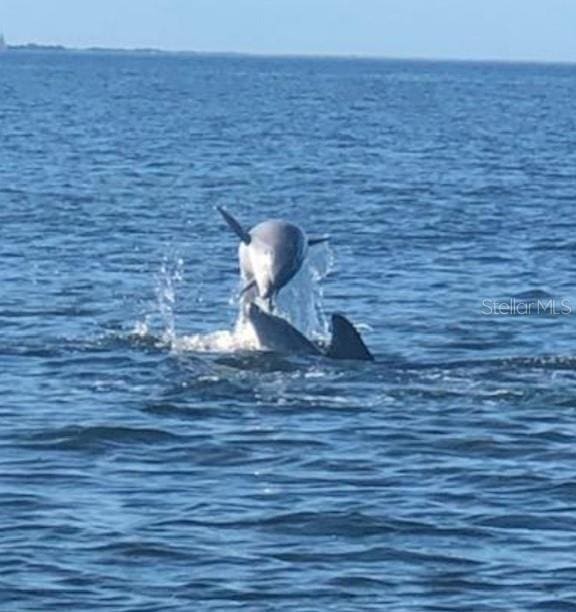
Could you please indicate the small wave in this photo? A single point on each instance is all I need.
(143, 550)
(558, 605)
(379, 554)
(98, 437)
(359, 582)
(538, 362)
(527, 522)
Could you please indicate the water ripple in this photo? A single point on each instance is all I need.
(148, 465)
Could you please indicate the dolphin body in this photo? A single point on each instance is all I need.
(278, 335)
(270, 254)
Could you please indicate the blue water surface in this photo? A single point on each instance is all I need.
(137, 473)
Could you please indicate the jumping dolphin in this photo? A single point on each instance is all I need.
(270, 254)
(276, 334)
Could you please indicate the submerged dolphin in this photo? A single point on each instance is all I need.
(270, 254)
(276, 334)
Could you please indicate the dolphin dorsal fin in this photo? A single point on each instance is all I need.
(234, 225)
(346, 342)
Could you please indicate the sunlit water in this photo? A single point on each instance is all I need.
(149, 460)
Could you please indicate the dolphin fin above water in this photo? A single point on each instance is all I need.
(346, 342)
(234, 225)
(248, 287)
(278, 335)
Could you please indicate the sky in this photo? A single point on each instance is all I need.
(542, 30)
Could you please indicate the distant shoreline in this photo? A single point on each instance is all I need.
(144, 51)
(63, 49)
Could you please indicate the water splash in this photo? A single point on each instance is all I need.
(170, 275)
(141, 329)
(300, 303)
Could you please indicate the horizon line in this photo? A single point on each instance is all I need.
(31, 46)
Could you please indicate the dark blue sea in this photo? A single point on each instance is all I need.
(147, 464)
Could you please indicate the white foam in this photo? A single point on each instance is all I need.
(241, 338)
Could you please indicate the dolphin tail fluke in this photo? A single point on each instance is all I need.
(317, 240)
(234, 225)
(346, 342)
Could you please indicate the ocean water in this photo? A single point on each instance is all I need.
(148, 463)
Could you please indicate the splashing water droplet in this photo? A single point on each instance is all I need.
(170, 274)
(300, 302)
